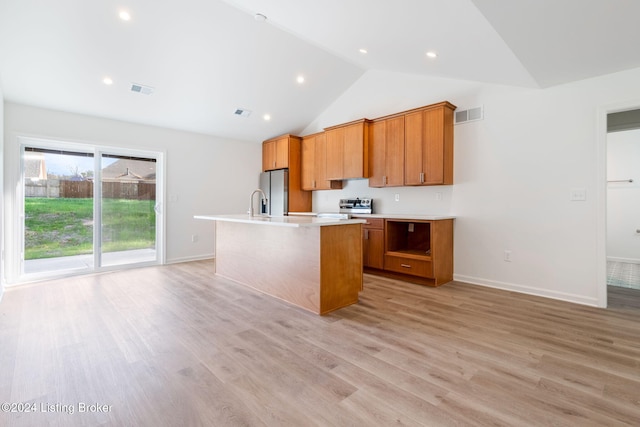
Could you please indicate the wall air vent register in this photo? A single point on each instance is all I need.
(242, 112)
(145, 90)
(469, 115)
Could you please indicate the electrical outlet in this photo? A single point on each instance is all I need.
(439, 196)
(578, 195)
(507, 256)
(194, 238)
(397, 197)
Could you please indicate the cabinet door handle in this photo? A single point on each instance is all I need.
(366, 234)
(405, 265)
(384, 180)
(421, 177)
(313, 185)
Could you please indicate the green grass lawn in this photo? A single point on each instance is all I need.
(64, 227)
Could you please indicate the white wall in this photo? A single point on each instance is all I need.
(514, 172)
(623, 199)
(2, 275)
(205, 174)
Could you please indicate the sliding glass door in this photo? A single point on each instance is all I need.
(89, 208)
(128, 205)
(58, 210)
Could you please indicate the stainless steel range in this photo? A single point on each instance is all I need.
(349, 207)
(356, 206)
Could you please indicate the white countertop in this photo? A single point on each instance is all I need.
(286, 221)
(389, 216)
(406, 216)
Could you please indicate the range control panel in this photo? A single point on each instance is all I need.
(357, 205)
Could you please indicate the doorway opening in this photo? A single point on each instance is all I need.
(88, 208)
(623, 209)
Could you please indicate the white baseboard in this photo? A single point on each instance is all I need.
(529, 290)
(189, 259)
(627, 260)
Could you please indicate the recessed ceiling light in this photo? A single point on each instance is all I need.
(432, 54)
(259, 17)
(124, 15)
(300, 79)
(363, 51)
(266, 117)
(107, 80)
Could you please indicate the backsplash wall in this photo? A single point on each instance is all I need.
(432, 200)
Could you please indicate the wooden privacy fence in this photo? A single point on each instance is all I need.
(84, 189)
(76, 189)
(128, 190)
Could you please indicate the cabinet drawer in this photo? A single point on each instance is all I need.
(411, 266)
(373, 223)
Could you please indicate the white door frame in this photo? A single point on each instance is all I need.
(601, 185)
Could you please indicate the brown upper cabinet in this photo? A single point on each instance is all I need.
(308, 170)
(347, 150)
(299, 200)
(412, 147)
(314, 164)
(429, 145)
(275, 153)
(386, 152)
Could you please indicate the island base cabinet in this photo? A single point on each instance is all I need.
(315, 268)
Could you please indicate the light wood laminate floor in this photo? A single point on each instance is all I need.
(174, 346)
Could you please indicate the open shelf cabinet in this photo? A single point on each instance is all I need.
(420, 249)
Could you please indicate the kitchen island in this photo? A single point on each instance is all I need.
(313, 263)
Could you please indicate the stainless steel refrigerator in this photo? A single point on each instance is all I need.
(275, 185)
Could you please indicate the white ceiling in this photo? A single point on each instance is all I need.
(205, 58)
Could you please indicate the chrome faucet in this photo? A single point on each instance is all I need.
(264, 197)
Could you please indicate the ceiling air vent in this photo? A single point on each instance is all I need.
(242, 112)
(470, 115)
(145, 90)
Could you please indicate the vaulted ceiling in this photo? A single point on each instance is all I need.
(204, 59)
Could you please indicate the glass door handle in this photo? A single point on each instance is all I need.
(158, 208)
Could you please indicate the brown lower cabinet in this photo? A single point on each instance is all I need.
(418, 251)
(373, 243)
